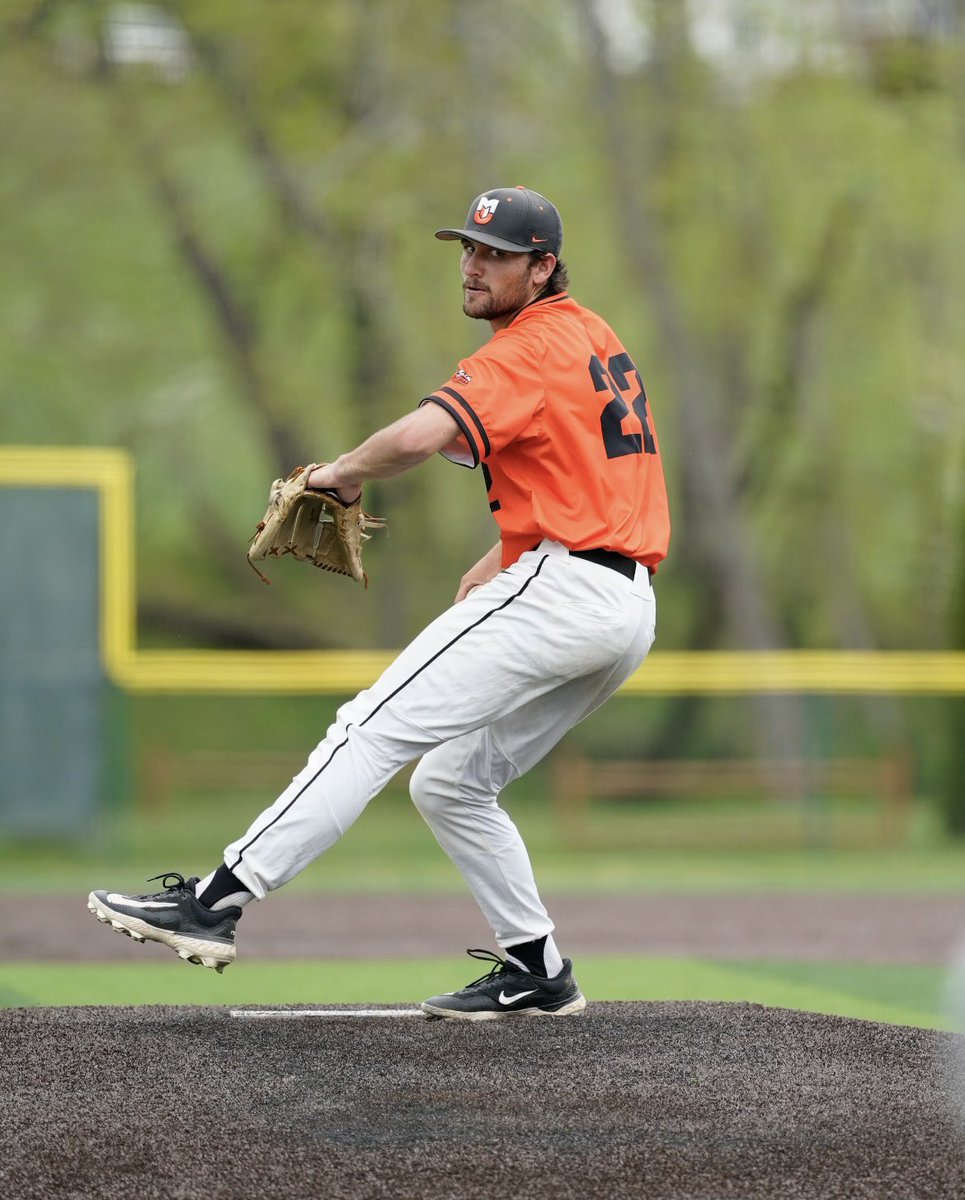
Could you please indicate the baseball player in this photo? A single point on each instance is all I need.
(546, 626)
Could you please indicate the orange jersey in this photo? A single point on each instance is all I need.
(555, 410)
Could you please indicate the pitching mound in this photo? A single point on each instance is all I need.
(655, 1100)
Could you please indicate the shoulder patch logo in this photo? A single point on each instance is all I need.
(485, 211)
(462, 376)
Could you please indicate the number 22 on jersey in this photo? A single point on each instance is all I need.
(615, 379)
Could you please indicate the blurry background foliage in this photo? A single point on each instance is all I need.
(216, 241)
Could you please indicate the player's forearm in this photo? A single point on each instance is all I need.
(396, 448)
(381, 456)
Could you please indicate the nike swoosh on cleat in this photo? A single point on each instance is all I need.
(504, 999)
(114, 898)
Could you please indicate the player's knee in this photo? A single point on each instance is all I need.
(427, 794)
(440, 796)
(419, 788)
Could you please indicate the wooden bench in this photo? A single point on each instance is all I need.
(165, 773)
(576, 781)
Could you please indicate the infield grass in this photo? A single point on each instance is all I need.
(893, 994)
(680, 848)
(688, 847)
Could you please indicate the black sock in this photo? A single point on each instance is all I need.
(531, 955)
(222, 883)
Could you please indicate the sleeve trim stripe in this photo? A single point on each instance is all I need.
(460, 421)
(476, 421)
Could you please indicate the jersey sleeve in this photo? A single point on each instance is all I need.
(494, 396)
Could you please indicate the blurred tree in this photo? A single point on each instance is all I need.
(953, 798)
(639, 155)
(954, 767)
(230, 266)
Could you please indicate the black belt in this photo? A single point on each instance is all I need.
(609, 558)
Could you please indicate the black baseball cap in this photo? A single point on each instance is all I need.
(514, 219)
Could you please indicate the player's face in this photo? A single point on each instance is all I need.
(495, 283)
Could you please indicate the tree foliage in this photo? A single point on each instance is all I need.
(233, 270)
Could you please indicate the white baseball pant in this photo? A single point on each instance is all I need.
(482, 694)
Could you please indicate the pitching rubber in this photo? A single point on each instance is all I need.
(216, 955)
(340, 1014)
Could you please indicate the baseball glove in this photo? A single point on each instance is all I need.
(315, 526)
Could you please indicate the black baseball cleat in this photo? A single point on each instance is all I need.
(173, 917)
(509, 991)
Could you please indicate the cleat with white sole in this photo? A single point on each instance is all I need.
(509, 991)
(173, 917)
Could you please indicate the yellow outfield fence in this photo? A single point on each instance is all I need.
(110, 473)
(665, 672)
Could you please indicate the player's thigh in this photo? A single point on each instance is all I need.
(544, 636)
(477, 766)
(504, 645)
(527, 735)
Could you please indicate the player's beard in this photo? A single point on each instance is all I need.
(509, 300)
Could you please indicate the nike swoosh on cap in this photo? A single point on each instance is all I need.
(114, 898)
(536, 239)
(504, 999)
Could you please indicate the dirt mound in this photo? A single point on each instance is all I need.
(658, 1100)
(760, 925)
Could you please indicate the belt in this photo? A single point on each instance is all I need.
(608, 558)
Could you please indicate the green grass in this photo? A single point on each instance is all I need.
(676, 848)
(897, 995)
(621, 847)
(390, 849)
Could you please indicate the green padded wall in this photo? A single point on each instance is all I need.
(52, 688)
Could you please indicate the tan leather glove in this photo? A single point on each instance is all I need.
(314, 526)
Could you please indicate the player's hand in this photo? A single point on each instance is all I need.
(466, 585)
(324, 478)
(487, 568)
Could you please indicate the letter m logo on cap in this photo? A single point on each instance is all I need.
(485, 210)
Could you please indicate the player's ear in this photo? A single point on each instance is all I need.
(543, 268)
